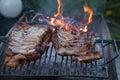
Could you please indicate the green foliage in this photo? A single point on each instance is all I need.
(114, 6)
(115, 35)
(112, 15)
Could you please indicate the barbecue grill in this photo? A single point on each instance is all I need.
(52, 65)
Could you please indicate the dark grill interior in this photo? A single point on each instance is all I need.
(51, 64)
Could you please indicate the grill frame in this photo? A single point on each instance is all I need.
(103, 43)
(104, 66)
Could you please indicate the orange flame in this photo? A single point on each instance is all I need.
(85, 29)
(62, 24)
(67, 27)
(59, 22)
(90, 12)
(60, 9)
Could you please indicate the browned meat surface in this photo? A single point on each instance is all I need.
(26, 43)
(90, 56)
(79, 44)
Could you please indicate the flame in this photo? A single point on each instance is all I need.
(59, 22)
(56, 22)
(58, 19)
(67, 27)
(60, 9)
(85, 29)
(81, 29)
(90, 13)
(52, 21)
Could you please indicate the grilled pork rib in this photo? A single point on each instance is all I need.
(26, 43)
(78, 44)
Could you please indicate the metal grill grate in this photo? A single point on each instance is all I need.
(51, 64)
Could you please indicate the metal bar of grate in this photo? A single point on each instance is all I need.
(114, 44)
(51, 64)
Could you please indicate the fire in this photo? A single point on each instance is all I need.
(85, 29)
(52, 21)
(60, 9)
(90, 12)
(67, 27)
(56, 22)
(58, 19)
(59, 22)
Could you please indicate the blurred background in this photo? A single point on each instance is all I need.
(110, 9)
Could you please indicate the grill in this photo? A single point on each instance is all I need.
(51, 64)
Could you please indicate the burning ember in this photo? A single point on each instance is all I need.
(59, 21)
